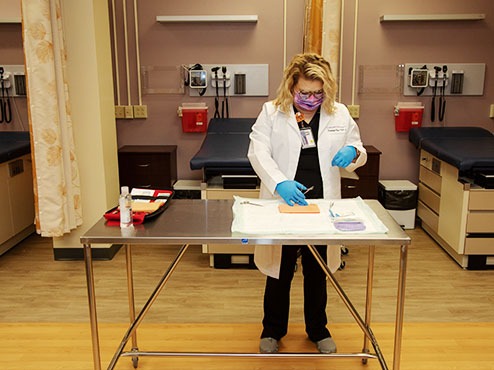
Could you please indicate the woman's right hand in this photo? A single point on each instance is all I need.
(291, 192)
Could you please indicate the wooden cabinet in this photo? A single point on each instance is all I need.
(456, 213)
(147, 166)
(367, 184)
(16, 201)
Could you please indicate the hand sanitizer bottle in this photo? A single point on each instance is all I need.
(125, 206)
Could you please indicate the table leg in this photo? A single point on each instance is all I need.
(366, 329)
(368, 297)
(93, 317)
(130, 291)
(400, 306)
(137, 321)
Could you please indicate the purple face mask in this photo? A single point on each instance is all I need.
(308, 103)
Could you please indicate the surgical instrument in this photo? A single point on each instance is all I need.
(331, 210)
(251, 203)
(308, 189)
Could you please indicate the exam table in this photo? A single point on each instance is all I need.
(456, 191)
(226, 171)
(223, 154)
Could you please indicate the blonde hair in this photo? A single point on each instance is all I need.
(310, 66)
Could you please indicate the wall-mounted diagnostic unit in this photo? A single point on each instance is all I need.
(198, 79)
(14, 80)
(234, 80)
(460, 79)
(419, 78)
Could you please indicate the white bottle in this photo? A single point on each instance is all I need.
(125, 206)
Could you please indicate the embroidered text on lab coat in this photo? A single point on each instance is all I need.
(337, 129)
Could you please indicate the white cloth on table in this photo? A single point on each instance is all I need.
(250, 218)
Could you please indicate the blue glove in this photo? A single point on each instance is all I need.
(291, 192)
(344, 157)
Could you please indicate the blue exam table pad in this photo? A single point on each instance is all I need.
(466, 148)
(224, 149)
(14, 144)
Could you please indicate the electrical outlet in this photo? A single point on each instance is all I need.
(119, 111)
(129, 112)
(354, 110)
(491, 112)
(140, 111)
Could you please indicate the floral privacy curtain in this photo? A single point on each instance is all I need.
(55, 173)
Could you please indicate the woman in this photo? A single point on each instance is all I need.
(301, 139)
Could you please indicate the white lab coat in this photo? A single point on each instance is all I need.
(274, 151)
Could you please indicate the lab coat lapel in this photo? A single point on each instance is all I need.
(324, 121)
(292, 122)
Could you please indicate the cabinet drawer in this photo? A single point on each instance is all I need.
(427, 216)
(145, 164)
(431, 179)
(428, 197)
(153, 166)
(480, 222)
(481, 200)
(484, 246)
(426, 159)
(430, 162)
(349, 188)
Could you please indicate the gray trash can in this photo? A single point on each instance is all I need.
(399, 197)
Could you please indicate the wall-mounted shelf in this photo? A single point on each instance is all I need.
(10, 20)
(431, 17)
(207, 18)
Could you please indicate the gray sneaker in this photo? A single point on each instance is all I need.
(326, 345)
(268, 345)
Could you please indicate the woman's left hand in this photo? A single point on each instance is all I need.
(344, 157)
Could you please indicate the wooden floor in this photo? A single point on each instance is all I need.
(441, 346)
(449, 312)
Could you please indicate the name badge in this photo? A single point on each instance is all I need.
(307, 138)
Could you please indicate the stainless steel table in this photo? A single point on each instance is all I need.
(209, 221)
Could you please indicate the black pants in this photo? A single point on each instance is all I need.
(277, 295)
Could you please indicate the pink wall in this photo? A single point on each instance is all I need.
(11, 44)
(11, 54)
(386, 44)
(211, 43)
(378, 43)
(417, 42)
